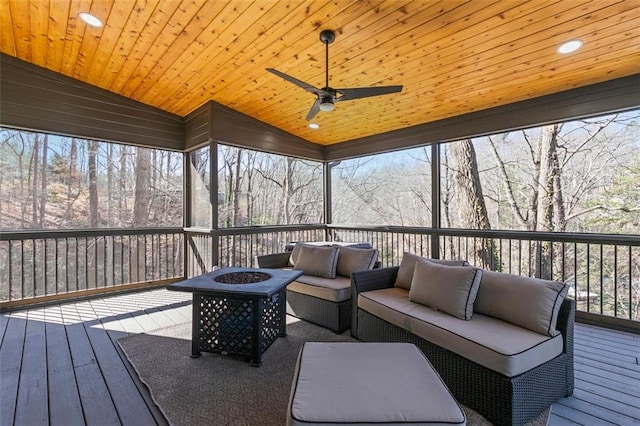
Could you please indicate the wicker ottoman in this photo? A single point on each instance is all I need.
(367, 384)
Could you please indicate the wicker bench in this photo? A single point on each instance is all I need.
(500, 398)
(368, 384)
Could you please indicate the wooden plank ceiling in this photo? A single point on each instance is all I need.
(452, 56)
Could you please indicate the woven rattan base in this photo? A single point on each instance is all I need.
(502, 400)
(237, 310)
(239, 326)
(335, 316)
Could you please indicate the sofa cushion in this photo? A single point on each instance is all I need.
(336, 289)
(451, 289)
(495, 344)
(295, 253)
(408, 264)
(355, 259)
(318, 261)
(528, 302)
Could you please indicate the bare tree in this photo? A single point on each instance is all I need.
(94, 213)
(142, 194)
(43, 186)
(471, 207)
(35, 165)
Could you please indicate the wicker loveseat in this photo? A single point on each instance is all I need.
(506, 372)
(322, 295)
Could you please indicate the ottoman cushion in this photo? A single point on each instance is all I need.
(369, 383)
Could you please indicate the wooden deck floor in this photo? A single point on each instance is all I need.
(60, 365)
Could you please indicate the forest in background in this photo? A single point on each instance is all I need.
(56, 182)
(581, 176)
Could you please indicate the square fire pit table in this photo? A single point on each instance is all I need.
(239, 311)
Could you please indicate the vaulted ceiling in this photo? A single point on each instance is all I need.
(451, 56)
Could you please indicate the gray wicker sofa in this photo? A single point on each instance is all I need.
(322, 295)
(481, 359)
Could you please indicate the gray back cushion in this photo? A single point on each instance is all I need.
(408, 264)
(531, 303)
(318, 261)
(355, 259)
(451, 289)
(293, 259)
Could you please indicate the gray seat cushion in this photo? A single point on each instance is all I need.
(368, 383)
(493, 343)
(336, 289)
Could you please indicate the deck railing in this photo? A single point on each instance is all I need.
(240, 246)
(40, 265)
(603, 271)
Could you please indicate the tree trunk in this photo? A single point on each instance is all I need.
(72, 180)
(236, 189)
(142, 183)
(94, 215)
(43, 186)
(287, 189)
(472, 210)
(141, 209)
(35, 162)
(550, 207)
(122, 180)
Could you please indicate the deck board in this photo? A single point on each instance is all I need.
(64, 398)
(126, 397)
(11, 355)
(90, 381)
(96, 400)
(32, 405)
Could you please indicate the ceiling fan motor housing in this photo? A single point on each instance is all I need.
(327, 36)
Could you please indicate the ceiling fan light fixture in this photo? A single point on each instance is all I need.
(90, 19)
(326, 105)
(570, 46)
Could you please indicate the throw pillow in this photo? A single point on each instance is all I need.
(318, 261)
(451, 289)
(408, 264)
(293, 259)
(531, 303)
(355, 259)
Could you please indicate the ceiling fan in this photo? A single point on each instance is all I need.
(328, 96)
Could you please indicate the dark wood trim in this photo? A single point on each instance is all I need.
(82, 294)
(615, 95)
(34, 98)
(436, 222)
(605, 321)
(231, 127)
(197, 128)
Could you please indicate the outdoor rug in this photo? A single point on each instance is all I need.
(226, 390)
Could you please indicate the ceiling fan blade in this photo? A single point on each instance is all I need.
(299, 83)
(365, 92)
(315, 108)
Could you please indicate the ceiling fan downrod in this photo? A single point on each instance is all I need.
(327, 37)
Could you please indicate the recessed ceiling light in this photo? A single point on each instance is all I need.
(570, 46)
(90, 19)
(314, 126)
